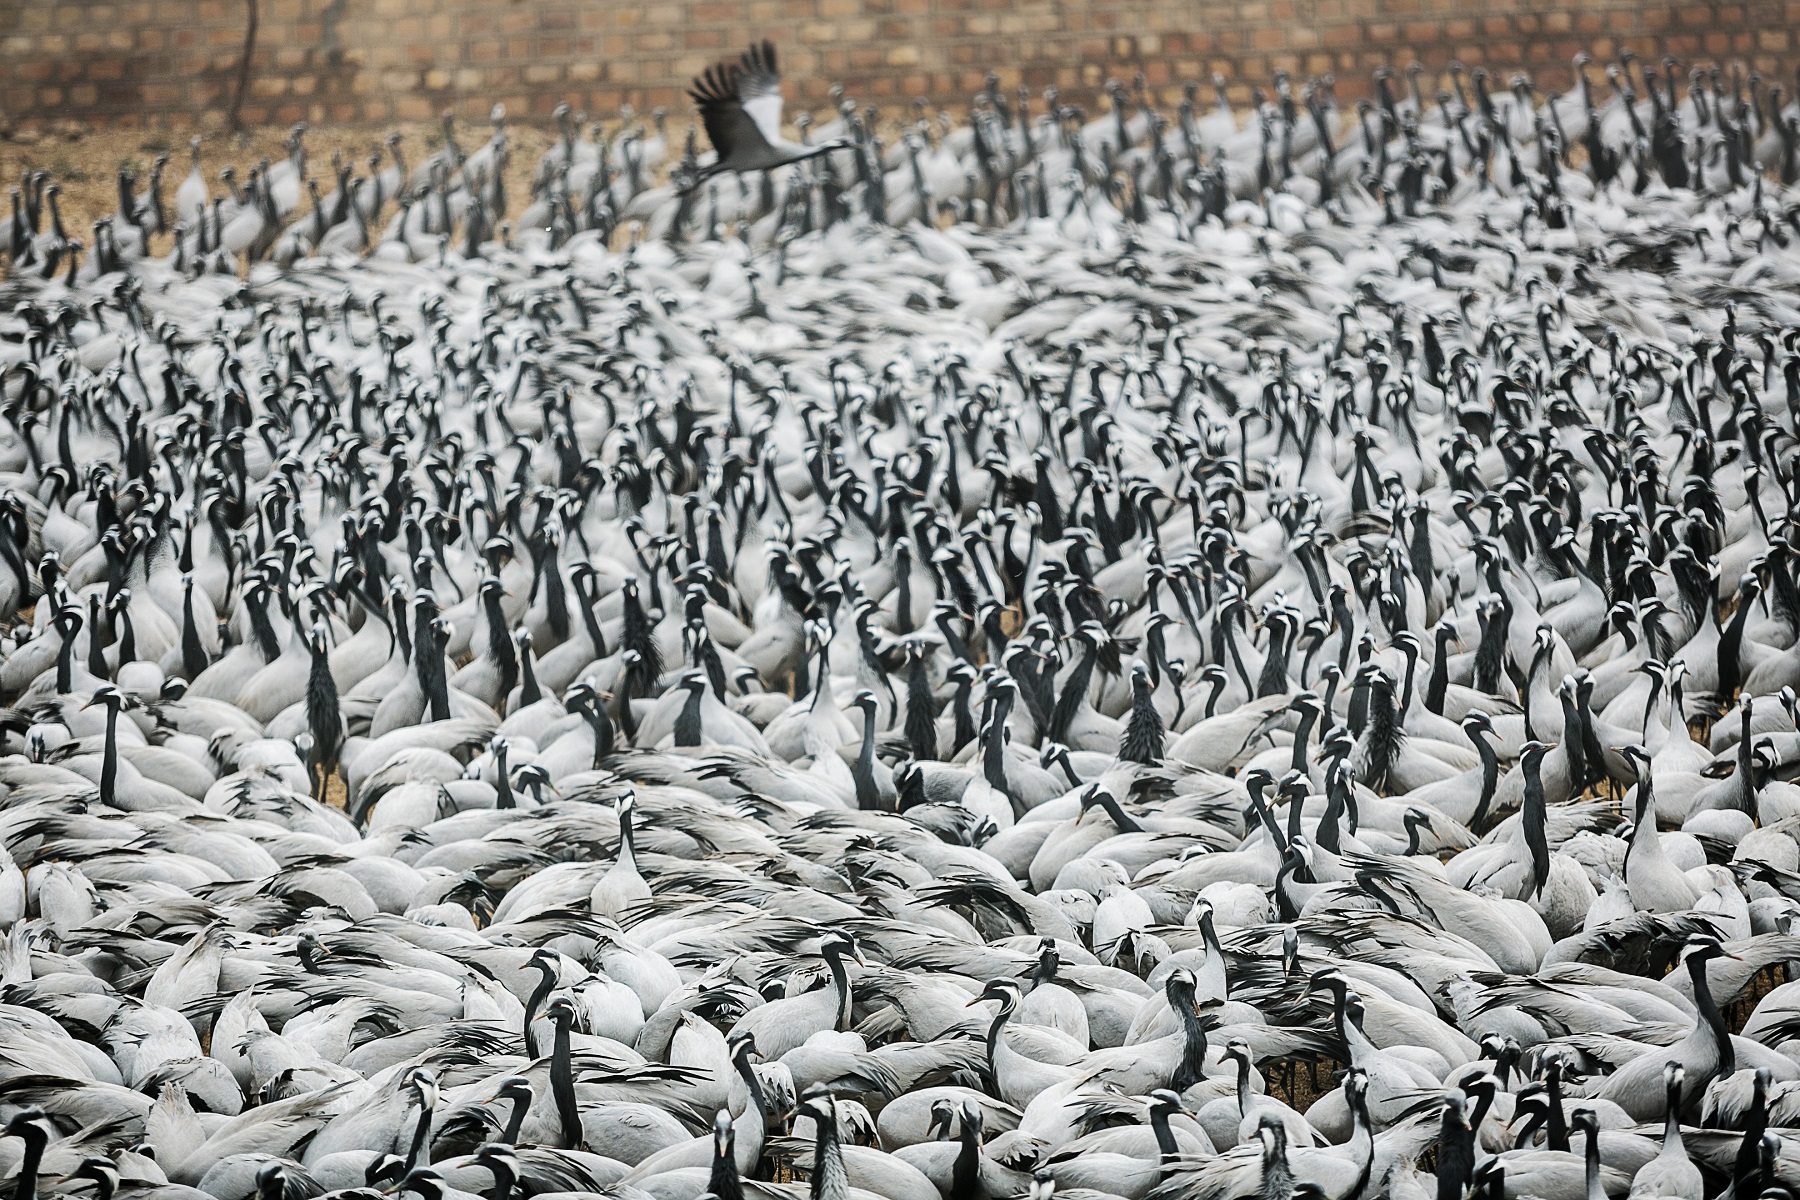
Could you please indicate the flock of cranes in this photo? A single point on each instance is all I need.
(1177, 656)
(1004, 163)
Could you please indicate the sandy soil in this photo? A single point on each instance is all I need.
(87, 166)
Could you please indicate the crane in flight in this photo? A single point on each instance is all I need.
(740, 105)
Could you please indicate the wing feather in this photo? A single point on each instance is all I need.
(740, 103)
(759, 89)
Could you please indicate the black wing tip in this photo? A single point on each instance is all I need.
(718, 84)
(760, 59)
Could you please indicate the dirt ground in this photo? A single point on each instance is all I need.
(87, 166)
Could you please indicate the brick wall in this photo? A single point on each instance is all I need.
(172, 63)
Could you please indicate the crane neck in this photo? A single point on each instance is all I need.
(1556, 1128)
(1192, 1068)
(830, 1181)
(724, 1182)
(532, 1004)
(1711, 1018)
(996, 1028)
(868, 796)
(1532, 821)
(1278, 1176)
(1672, 1122)
(687, 724)
(1362, 1139)
(504, 1180)
(35, 1141)
(965, 1174)
(562, 1086)
(109, 759)
(753, 1128)
(419, 1153)
(515, 1122)
(1490, 778)
(840, 980)
(1167, 1148)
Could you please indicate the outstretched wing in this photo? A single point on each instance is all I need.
(740, 103)
(759, 89)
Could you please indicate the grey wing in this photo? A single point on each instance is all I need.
(759, 90)
(729, 128)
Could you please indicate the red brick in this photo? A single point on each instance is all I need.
(159, 62)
